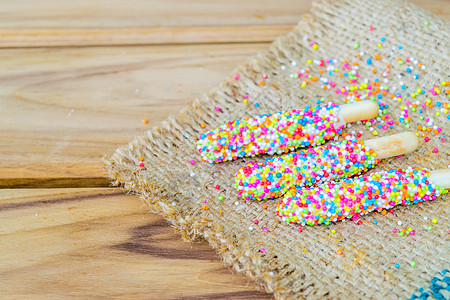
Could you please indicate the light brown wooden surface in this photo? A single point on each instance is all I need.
(63, 108)
(99, 242)
(64, 105)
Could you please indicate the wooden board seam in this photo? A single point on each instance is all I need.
(62, 182)
(12, 38)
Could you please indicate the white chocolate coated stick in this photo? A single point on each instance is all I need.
(334, 201)
(281, 132)
(273, 177)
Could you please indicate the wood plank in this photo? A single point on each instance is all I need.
(112, 14)
(99, 243)
(62, 109)
(100, 22)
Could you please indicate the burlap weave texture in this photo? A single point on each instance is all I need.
(305, 264)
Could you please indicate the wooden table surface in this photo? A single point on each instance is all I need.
(76, 79)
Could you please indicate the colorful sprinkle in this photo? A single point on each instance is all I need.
(271, 133)
(273, 177)
(334, 201)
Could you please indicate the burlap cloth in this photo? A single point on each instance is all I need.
(305, 264)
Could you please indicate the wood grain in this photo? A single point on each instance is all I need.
(62, 109)
(98, 243)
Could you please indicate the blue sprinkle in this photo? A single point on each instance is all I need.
(369, 61)
(383, 39)
(256, 104)
(375, 222)
(438, 104)
(400, 47)
(416, 76)
(408, 70)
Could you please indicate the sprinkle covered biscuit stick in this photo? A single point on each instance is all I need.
(273, 177)
(334, 201)
(281, 132)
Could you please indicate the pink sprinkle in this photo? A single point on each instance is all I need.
(218, 108)
(265, 228)
(265, 76)
(394, 230)
(262, 250)
(256, 221)
(412, 232)
(236, 76)
(300, 229)
(192, 162)
(206, 200)
(435, 150)
(370, 28)
(141, 165)
(245, 96)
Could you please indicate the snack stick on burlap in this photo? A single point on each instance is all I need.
(273, 177)
(281, 132)
(337, 200)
